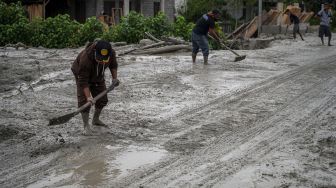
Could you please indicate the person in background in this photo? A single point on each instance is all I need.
(296, 28)
(88, 69)
(204, 25)
(325, 18)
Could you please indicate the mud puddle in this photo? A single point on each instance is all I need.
(100, 169)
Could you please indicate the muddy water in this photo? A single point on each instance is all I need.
(98, 169)
(171, 123)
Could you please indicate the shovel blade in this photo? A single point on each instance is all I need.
(61, 119)
(240, 58)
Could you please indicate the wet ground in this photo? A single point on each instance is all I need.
(267, 121)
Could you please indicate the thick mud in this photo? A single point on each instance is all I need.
(266, 121)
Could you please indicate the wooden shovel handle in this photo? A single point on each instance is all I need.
(100, 95)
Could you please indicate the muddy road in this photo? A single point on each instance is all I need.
(267, 121)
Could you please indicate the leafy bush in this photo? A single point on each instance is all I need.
(12, 34)
(11, 13)
(333, 21)
(131, 29)
(181, 28)
(14, 26)
(110, 35)
(158, 25)
(61, 31)
(90, 30)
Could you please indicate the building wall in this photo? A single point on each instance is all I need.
(94, 8)
(147, 7)
(99, 6)
(170, 9)
(90, 8)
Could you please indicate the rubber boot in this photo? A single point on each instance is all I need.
(205, 60)
(95, 119)
(87, 127)
(193, 56)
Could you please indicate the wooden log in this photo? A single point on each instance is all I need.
(175, 40)
(165, 49)
(152, 37)
(143, 48)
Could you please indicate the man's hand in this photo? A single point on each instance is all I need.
(115, 82)
(91, 100)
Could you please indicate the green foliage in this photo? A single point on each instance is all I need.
(240, 3)
(57, 32)
(11, 13)
(181, 28)
(214, 44)
(61, 31)
(131, 29)
(158, 25)
(314, 21)
(13, 24)
(196, 8)
(111, 35)
(37, 28)
(333, 23)
(90, 30)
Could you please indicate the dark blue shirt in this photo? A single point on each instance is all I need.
(203, 24)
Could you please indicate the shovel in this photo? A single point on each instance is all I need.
(65, 118)
(237, 58)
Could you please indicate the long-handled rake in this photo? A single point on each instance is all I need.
(237, 58)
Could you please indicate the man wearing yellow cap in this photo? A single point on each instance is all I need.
(88, 69)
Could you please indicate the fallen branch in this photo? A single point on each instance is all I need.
(175, 40)
(143, 48)
(165, 49)
(152, 37)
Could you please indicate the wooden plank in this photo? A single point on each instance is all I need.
(34, 11)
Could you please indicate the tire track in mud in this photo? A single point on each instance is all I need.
(262, 140)
(246, 115)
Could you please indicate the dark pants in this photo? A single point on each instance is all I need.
(200, 41)
(324, 31)
(296, 29)
(95, 89)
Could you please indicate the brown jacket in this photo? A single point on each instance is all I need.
(87, 70)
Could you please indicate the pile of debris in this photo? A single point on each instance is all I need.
(273, 22)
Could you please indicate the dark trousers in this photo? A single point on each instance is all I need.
(95, 89)
(200, 41)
